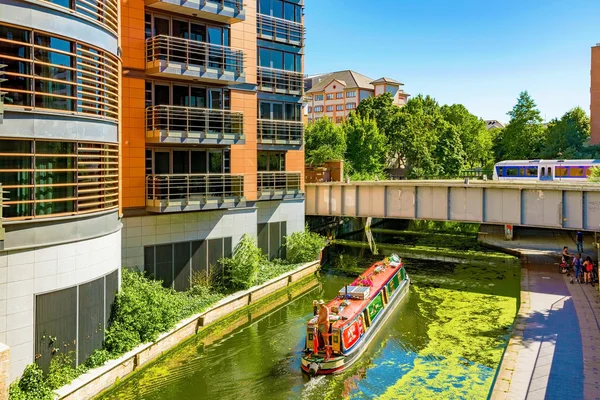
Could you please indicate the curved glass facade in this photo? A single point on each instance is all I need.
(102, 12)
(57, 178)
(47, 72)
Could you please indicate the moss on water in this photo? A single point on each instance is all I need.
(467, 329)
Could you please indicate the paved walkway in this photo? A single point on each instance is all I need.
(554, 351)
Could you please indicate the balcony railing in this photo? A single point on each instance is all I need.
(280, 30)
(177, 124)
(188, 192)
(191, 59)
(279, 184)
(280, 132)
(280, 81)
(224, 11)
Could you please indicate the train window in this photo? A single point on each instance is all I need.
(500, 170)
(549, 172)
(561, 171)
(543, 171)
(521, 171)
(512, 171)
(588, 171)
(531, 171)
(576, 171)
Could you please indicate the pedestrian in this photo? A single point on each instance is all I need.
(579, 237)
(323, 321)
(577, 266)
(588, 266)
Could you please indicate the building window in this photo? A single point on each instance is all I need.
(281, 9)
(54, 178)
(338, 120)
(271, 161)
(351, 94)
(318, 109)
(175, 263)
(350, 106)
(330, 119)
(280, 111)
(76, 317)
(339, 107)
(277, 59)
(309, 109)
(318, 97)
(271, 239)
(329, 96)
(339, 95)
(329, 108)
(173, 161)
(47, 72)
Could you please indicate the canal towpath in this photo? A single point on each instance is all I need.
(554, 350)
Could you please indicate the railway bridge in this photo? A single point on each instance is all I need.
(533, 204)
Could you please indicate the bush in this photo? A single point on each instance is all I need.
(31, 386)
(242, 268)
(272, 269)
(143, 309)
(61, 371)
(303, 247)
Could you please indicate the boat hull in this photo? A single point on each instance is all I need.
(317, 365)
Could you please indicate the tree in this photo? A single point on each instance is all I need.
(416, 131)
(324, 141)
(367, 146)
(381, 109)
(475, 138)
(594, 175)
(523, 137)
(567, 135)
(449, 152)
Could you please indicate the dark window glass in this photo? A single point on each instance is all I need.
(277, 59)
(215, 162)
(263, 237)
(274, 240)
(265, 7)
(263, 161)
(148, 94)
(289, 11)
(149, 261)
(215, 253)
(63, 3)
(298, 63)
(15, 146)
(198, 32)
(198, 97)
(147, 26)
(15, 34)
(288, 62)
(181, 162)
(532, 171)
(182, 266)
(199, 252)
(198, 162)
(512, 172)
(43, 147)
(164, 264)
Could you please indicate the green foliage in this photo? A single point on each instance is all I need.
(324, 141)
(566, 137)
(61, 371)
(98, 358)
(272, 269)
(523, 137)
(449, 152)
(367, 146)
(303, 247)
(381, 109)
(31, 386)
(444, 226)
(595, 174)
(243, 266)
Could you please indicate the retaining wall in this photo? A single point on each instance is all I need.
(93, 382)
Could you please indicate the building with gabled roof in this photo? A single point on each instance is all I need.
(336, 94)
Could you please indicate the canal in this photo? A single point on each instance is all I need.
(445, 340)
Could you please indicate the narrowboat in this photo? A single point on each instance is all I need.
(355, 317)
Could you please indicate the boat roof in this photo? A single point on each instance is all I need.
(356, 306)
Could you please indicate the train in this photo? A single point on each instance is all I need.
(544, 170)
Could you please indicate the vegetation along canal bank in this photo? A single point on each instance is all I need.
(445, 339)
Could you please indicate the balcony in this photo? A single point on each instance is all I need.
(279, 185)
(173, 57)
(193, 192)
(280, 81)
(191, 125)
(280, 133)
(279, 30)
(224, 11)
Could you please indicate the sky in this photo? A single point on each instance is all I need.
(479, 53)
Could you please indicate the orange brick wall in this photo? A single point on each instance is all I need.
(133, 137)
(294, 162)
(595, 95)
(243, 156)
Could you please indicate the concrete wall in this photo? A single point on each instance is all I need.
(27, 273)
(180, 227)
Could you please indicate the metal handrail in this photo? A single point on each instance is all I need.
(192, 52)
(280, 81)
(194, 120)
(172, 187)
(237, 4)
(279, 181)
(274, 130)
(269, 27)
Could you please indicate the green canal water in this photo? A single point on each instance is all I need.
(444, 341)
